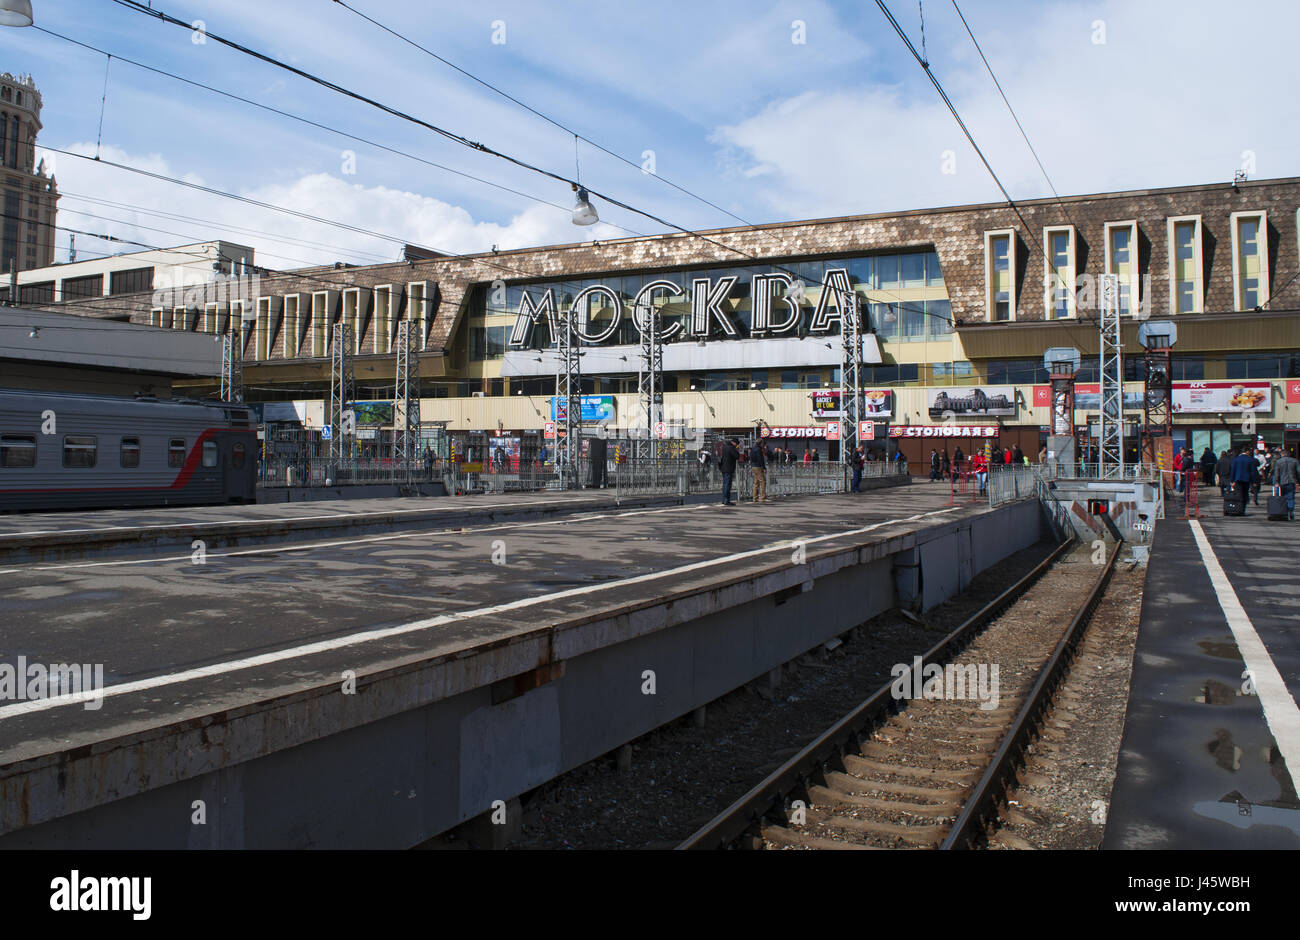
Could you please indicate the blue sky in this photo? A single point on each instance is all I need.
(1114, 95)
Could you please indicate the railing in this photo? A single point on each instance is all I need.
(1057, 514)
(1092, 471)
(324, 471)
(1006, 484)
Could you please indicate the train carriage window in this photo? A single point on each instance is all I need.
(210, 453)
(176, 452)
(17, 450)
(237, 455)
(130, 452)
(79, 451)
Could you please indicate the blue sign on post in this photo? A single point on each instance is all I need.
(595, 408)
(326, 432)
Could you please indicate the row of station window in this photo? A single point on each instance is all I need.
(81, 452)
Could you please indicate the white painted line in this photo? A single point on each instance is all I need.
(355, 639)
(340, 516)
(344, 543)
(1280, 710)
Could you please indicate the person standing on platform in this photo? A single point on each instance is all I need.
(1018, 457)
(958, 458)
(979, 466)
(758, 461)
(1244, 469)
(935, 465)
(945, 466)
(727, 464)
(856, 460)
(1223, 470)
(1207, 467)
(1285, 474)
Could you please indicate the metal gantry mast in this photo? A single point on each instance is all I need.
(650, 380)
(342, 417)
(568, 390)
(1110, 440)
(406, 400)
(232, 366)
(850, 380)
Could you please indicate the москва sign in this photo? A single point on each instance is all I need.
(773, 314)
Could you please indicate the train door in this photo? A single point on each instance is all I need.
(240, 469)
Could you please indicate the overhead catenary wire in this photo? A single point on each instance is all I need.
(317, 124)
(545, 117)
(952, 108)
(163, 17)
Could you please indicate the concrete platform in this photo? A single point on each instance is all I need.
(1204, 761)
(377, 690)
(60, 536)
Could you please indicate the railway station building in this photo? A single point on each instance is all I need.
(963, 301)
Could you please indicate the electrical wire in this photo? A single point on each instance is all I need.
(321, 126)
(532, 110)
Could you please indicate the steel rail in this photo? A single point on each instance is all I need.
(982, 805)
(796, 773)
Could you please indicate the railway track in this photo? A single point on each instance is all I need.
(911, 770)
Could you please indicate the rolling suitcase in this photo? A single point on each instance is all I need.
(1277, 506)
(1234, 505)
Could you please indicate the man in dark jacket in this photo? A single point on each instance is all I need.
(758, 461)
(1223, 469)
(1285, 473)
(856, 460)
(727, 464)
(1244, 470)
(934, 465)
(1207, 467)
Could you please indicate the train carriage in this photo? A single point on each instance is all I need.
(67, 451)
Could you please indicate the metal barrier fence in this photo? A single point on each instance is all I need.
(1092, 471)
(1006, 484)
(322, 471)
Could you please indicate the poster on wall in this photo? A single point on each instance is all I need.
(1087, 397)
(595, 408)
(876, 402)
(503, 454)
(990, 400)
(1201, 397)
(374, 412)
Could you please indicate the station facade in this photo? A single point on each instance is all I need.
(962, 301)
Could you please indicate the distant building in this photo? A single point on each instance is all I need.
(30, 195)
(163, 269)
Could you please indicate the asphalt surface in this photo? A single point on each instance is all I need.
(153, 621)
(1200, 765)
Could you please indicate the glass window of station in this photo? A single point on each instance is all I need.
(903, 296)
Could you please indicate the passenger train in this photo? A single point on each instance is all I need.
(68, 451)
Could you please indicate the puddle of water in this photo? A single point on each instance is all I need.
(1220, 649)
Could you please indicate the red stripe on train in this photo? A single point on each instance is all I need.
(182, 478)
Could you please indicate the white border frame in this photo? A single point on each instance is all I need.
(1072, 308)
(1135, 279)
(1233, 219)
(1198, 250)
(989, 307)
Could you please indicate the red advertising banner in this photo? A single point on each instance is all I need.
(1292, 393)
(1042, 396)
(944, 430)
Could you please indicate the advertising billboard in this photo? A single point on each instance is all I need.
(1202, 397)
(595, 408)
(990, 400)
(876, 403)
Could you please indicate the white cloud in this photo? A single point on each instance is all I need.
(404, 215)
(1145, 109)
